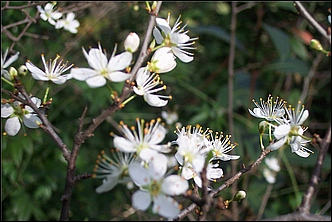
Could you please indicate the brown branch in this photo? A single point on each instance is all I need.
(303, 11)
(307, 197)
(229, 182)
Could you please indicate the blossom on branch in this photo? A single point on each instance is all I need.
(162, 61)
(147, 85)
(176, 38)
(156, 188)
(145, 142)
(69, 23)
(131, 42)
(101, 69)
(49, 14)
(269, 110)
(113, 170)
(6, 63)
(19, 114)
(53, 70)
(290, 132)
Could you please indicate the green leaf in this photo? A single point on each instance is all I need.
(288, 66)
(280, 40)
(218, 32)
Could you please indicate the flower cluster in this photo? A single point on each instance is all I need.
(143, 159)
(286, 124)
(54, 17)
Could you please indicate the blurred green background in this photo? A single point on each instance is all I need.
(272, 56)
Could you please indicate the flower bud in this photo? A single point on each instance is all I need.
(12, 73)
(315, 44)
(23, 70)
(131, 43)
(162, 61)
(240, 195)
(261, 127)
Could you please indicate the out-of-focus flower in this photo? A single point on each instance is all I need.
(53, 70)
(131, 42)
(6, 63)
(145, 142)
(113, 169)
(170, 117)
(147, 85)
(268, 110)
(18, 115)
(156, 188)
(103, 69)
(69, 23)
(162, 61)
(271, 169)
(48, 13)
(174, 37)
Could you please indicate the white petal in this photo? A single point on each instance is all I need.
(302, 153)
(174, 185)
(96, 81)
(163, 25)
(36, 73)
(82, 73)
(304, 117)
(165, 206)
(158, 166)
(123, 144)
(157, 35)
(6, 110)
(138, 174)
(182, 56)
(278, 144)
(108, 184)
(141, 200)
(179, 38)
(281, 131)
(30, 120)
(12, 59)
(12, 126)
(118, 76)
(120, 61)
(97, 59)
(154, 100)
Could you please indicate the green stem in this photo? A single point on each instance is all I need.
(129, 99)
(46, 93)
(7, 81)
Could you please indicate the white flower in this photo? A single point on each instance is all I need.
(192, 148)
(69, 23)
(49, 14)
(290, 132)
(53, 71)
(157, 189)
(18, 115)
(145, 141)
(147, 85)
(162, 61)
(170, 117)
(220, 147)
(272, 163)
(101, 69)
(113, 170)
(269, 110)
(175, 37)
(269, 175)
(6, 63)
(131, 42)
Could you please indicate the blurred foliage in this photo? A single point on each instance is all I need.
(272, 56)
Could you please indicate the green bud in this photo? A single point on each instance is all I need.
(152, 44)
(154, 6)
(261, 127)
(315, 44)
(12, 72)
(240, 195)
(23, 70)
